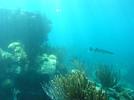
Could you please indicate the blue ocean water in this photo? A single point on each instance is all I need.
(78, 25)
(107, 24)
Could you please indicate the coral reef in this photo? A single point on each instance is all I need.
(73, 86)
(19, 55)
(23, 35)
(26, 60)
(15, 60)
(109, 79)
(5, 56)
(120, 93)
(29, 28)
(47, 64)
(107, 76)
(61, 55)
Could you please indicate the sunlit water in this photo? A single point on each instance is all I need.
(80, 24)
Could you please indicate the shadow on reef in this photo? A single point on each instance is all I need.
(31, 29)
(23, 62)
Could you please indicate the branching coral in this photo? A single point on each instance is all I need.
(73, 86)
(107, 76)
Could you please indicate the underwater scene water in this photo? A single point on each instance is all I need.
(66, 49)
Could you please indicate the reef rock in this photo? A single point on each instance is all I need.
(47, 64)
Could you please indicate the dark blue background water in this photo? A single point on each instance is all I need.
(79, 24)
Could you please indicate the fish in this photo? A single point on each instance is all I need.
(99, 50)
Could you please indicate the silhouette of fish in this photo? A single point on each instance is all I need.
(98, 50)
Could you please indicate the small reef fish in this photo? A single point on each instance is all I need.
(98, 50)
